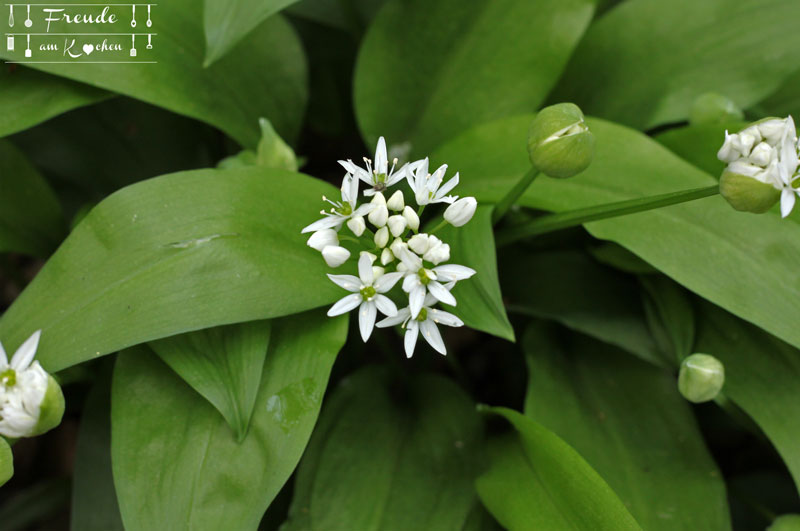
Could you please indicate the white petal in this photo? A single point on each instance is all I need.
(363, 210)
(345, 304)
(365, 269)
(3, 357)
(411, 282)
(381, 160)
(445, 318)
(401, 316)
(432, 336)
(415, 300)
(328, 222)
(430, 300)
(366, 319)
(449, 185)
(410, 341)
(439, 291)
(787, 201)
(348, 282)
(385, 305)
(322, 238)
(450, 272)
(387, 282)
(24, 354)
(335, 255)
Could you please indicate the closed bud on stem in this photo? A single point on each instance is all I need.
(386, 256)
(377, 272)
(396, 202)
(382, 237)
(357, 225)
(335, 255)
(411, 218)
(460, 212)
(323, 238)
(701, 378)
(714, 108)
(559, 141)
(379, 214)
(397, 225)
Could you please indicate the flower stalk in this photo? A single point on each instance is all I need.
(503, 206)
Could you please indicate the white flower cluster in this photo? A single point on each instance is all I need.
(23, 385)
(767, 152)
(396, 244)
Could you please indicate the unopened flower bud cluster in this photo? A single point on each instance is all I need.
(394, 251)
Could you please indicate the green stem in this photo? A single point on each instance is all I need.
(511, 197)
(565, 220)
(437, 227)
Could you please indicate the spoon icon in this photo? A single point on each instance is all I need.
(133, 16)
(149, 22)
(28, 21)
(11, 15)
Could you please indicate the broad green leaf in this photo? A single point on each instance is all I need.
(761, 375)
(784, 101)
(739, 261)
(227, 23)
(94, 499)
(390, 453)
(480, 303)
(460, 64)
(30, 215)
(670, 316)
(177, 464)
(174, 254)
(627, 419)
(223, 364)
(618, 257)
(6, 462)
(572, 289)
(644, 62)
(265, 75)
(28, 97)
(537, 481)
(699, 144)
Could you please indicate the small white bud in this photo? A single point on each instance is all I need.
(386, 256)
(744, 142)
(379, 214)
(396, 202)
(377, 272)
(727, 153)
(378, 199)
(335, 255)
(398, 246)
(761, 154)
(460, 212)
(382, 237)
(323, 238)
(771, 130)
(411, 218)
(401, 267)
(357, 225)
(437, 253)
(419, 243)
(369, 255)
(397, 225)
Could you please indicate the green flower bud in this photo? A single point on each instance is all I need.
(6, 462)
(52, 408)
(713, 108)
(559, 141)
(747, 194)
(787, 522)
(272, 151)
(701, 378)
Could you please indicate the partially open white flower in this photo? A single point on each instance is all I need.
(418, 281)
(425, 322)
(428, 188)
(30, 400)
(379, 176)
(367, 295)
(335, 255)
(342, 210)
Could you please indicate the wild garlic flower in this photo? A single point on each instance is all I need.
(428, 188)
(378, 174)
(762, 165)
(419, 259)
(367, 295)
(425, 322)
(30, 400)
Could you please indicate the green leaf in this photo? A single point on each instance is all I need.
(6, 462)
(699, 144)
(35, 504)
(176, 462)
(670, 315)
(30, 215)
(390, 453)
(94, 499)
(28, 97)
(572, 289)
(761, 375)
(174, 254)
(784, 101)
(537, 481)
(460, 64)
(627, 419)
(223, 364)
(480, 303)
(227, 23)
(738, 261)
(644, 63)
(264, 76)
